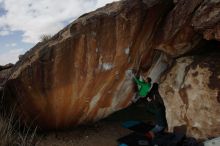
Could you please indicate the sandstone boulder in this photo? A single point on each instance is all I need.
(191, 92)
(177, 36)
(184, 24)
(79, 75)
(207, 19)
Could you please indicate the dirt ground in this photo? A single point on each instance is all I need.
(103, 133)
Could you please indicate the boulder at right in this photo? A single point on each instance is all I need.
(191, 93)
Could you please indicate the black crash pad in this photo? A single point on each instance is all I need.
(138, 138)
(134, 139)
(138, 126)
(168, 139)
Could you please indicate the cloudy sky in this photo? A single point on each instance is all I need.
(23, 22)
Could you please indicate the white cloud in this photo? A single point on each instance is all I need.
(4, 32)
(37, 17)
(11, 45)
(10, 56)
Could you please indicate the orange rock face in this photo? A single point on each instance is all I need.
(79, 75)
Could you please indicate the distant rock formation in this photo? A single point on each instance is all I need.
(7, 66)
(5, 71)
(79, 75)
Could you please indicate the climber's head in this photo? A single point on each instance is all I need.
(148, 80)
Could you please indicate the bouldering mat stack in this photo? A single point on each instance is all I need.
(138, 138)
(138, 126)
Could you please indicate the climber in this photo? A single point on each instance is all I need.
(143, 85)
(158, 109)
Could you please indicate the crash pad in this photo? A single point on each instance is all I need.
(138, 126)
(138, 138)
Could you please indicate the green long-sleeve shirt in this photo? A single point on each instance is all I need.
(143, 87)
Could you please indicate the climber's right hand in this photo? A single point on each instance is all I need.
(129, 74)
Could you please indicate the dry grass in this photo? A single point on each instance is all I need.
(12, 134)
